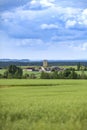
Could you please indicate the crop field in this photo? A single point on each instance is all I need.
(43, 104)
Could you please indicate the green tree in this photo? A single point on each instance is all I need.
(66, 73)
(55, 75)
(32, 76)
(5, 75)
(83, 75)
(78, 66)
(1, 76)
(26, 76)
(45, 75)
(73, 75)
(14, 72)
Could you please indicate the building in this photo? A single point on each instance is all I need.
(45, 63)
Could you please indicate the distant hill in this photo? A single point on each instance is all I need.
(14, 60)
(27, 62)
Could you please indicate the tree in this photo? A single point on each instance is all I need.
(66, 73)
(5, 75)
(83, 75)
(26, 76)
(55, 75)
(78, 66)
(14, 72)
(1, 76)
(45, 75)
(32, 76)
(73, 75)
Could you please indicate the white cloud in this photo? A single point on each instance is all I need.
(49, 26)
(42, 3)
(79, 47)
(69, 15)
(70, 23)
(29, 42)
(83, 17)
(84, 46)
(29, 22)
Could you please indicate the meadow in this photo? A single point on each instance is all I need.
(43, 104)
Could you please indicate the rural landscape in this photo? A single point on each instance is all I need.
(43, 64)
(41, 100)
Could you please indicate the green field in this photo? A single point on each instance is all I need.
(2, 71)
(43, 104)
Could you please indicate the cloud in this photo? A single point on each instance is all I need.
(84, 46)
(79, 47)
(44, 3)
(70, 23)
(39, 4)
(40, 24)
(49, 26)
(83, 17)
(29, 42)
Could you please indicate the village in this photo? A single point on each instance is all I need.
(44, 68)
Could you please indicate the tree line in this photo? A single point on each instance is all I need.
(16, 72)
(66, 74)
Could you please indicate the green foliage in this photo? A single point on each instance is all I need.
(85, 68)
(73, 75)
(55, 75)
(32, 76)
(13, 72)
(1, 76)
(5, 75)
(78, 66)
(83, 75)
(66, 74)
(50, 105)
(45, 75)
(26, 76)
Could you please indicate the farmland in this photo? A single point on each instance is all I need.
(43, 104)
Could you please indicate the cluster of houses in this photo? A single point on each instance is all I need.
(44, 68)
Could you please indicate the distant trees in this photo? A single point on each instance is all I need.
(66, 74)
(45, 75)
(13, 72)
(70, 73)
(29, 76)
(73, 75)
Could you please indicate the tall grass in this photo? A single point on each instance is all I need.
(62, 106)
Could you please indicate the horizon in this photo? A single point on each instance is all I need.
(43, 29)
(7, 59)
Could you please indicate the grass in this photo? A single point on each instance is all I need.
(2, 71)
(43, 104)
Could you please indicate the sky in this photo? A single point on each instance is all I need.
(43, 29)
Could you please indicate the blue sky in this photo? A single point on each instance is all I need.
(43, 29)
